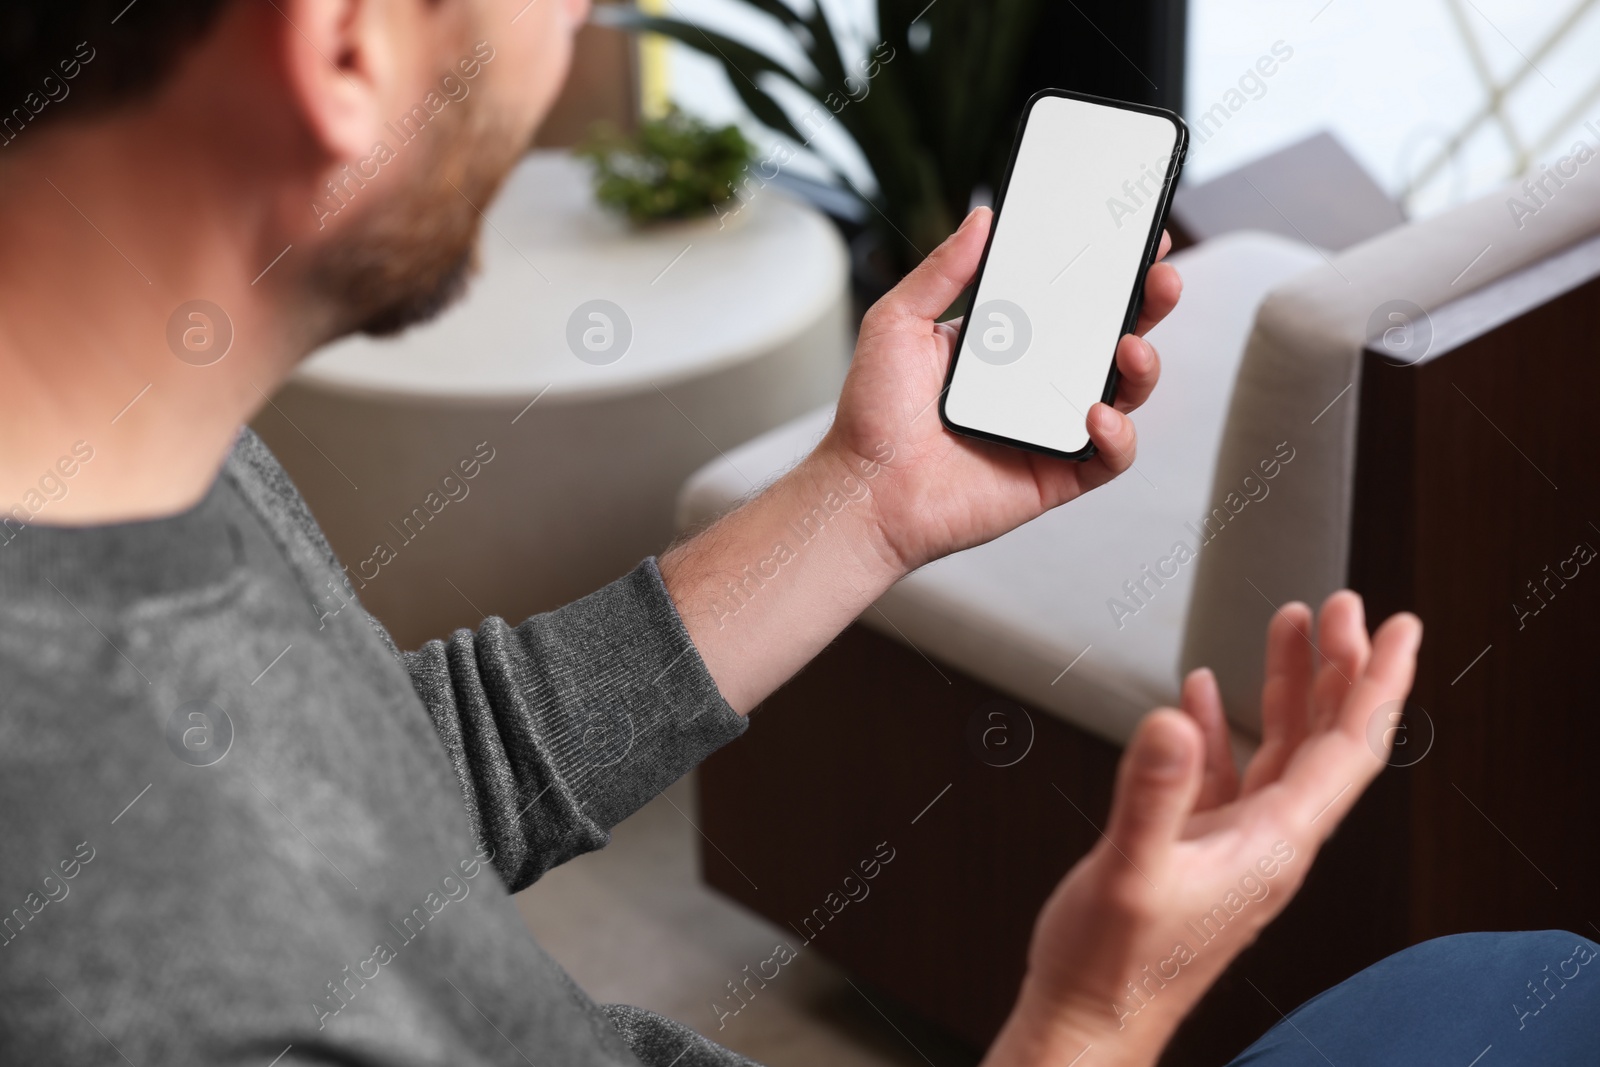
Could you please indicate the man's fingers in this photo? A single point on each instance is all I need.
(1342, 640)
(1157, 784)
(1390, 668)
(1113, 434)
(1116, 440)
(933, 286)
(1328, 775)
(1285, 694)
(1139, 368)
(1202, 702)
(1162, 288)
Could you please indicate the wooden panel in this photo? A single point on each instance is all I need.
(1491, 445)
(856, 747)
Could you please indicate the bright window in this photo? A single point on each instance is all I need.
(1397, 80)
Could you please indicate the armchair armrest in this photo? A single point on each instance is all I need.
(1299, 386)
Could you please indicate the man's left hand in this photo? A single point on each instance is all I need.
(938, 492)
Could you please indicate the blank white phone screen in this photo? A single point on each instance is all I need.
(1067, 248)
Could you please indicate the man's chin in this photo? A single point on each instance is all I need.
(411, 256)
(399, 315)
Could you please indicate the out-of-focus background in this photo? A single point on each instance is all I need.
(1398, 84)
(1389, 230)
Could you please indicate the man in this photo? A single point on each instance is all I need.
(239, 829)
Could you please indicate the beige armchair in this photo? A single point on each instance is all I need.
(974, 716)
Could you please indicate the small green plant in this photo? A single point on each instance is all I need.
(930, 95)
(675, 167)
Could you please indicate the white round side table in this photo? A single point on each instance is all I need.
(591, 368)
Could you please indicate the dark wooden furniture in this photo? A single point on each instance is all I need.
(1475, 472)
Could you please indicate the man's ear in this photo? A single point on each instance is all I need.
(338, 58)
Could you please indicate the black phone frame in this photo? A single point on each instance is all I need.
(1180, 152)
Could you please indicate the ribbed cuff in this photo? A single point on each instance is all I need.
(662, 712)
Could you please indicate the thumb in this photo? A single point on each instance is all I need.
(1158, 783)
(933, 286)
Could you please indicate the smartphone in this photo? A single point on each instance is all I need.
(1077, 226)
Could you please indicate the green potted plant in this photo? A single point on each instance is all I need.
(929, 100)
(674, 167)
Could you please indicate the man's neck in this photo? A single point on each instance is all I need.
(105, 347)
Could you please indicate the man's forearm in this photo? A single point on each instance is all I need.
(766, 587)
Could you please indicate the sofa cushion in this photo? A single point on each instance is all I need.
(1020, 611)
(1298, 387)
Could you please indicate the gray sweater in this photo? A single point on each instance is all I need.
(236, 823)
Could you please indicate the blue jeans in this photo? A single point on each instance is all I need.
(1472, 1000)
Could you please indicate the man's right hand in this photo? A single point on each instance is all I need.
(1194, 862)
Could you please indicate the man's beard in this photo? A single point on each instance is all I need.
(410, 253)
